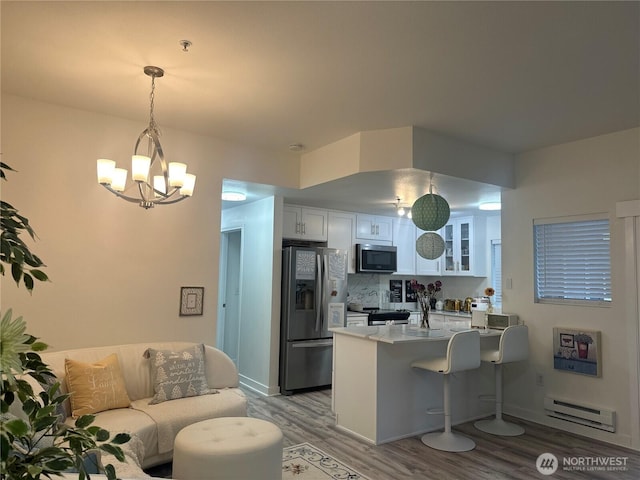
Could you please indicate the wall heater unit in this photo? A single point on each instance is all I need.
(601, 418)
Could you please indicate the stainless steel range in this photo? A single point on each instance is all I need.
(381, 317)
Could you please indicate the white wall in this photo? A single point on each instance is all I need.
(259, 292)
(582, 177)
(117, 269)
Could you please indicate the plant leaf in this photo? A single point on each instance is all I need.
(17, 427)
(121, 438)
(84, 421)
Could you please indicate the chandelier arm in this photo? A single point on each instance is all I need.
(168, 202)
(121, 195)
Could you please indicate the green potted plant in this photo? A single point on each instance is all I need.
(33, 442)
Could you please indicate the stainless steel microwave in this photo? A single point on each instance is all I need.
(500, 321)
(376, 258)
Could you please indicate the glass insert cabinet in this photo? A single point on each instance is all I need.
(461, 256)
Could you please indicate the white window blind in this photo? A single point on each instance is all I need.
(572, 261)
(496, 270)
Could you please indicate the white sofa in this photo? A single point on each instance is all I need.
(157, 425)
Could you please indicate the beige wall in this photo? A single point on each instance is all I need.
(582, 177)
(116, 269)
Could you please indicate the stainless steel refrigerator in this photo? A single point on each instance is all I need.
(314, 298)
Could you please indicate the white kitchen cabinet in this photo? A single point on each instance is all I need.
(446, 319)
(374, 228)
(464, 253)
(404, 239)
(340, 234)
(425, 266)
(357, 319)
(304, 223)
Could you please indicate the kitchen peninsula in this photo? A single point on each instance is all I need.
(378, 397)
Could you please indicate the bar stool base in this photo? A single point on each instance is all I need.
(499, 427)
(448, 442)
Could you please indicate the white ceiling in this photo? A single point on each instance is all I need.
(512, 76)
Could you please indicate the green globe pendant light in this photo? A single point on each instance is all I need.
(430, 245)
(430, 212)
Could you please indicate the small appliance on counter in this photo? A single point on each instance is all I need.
(479, 313)
(500, 321)
(478, 318)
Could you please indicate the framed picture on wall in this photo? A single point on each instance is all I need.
(409, 293)
(191, 300)
(577, 351)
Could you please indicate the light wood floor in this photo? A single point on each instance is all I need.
(307, 417)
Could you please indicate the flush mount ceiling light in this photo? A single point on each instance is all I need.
(171, 183)
(233, 196)
(430, 245)
(490, 206)
(430, 212)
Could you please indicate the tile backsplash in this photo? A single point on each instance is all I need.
(372, 290)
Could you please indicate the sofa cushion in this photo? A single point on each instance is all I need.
(172, 416)
(95, 387)
(128, 420)
(178, 374)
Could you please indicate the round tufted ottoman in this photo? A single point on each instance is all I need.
(238, 448)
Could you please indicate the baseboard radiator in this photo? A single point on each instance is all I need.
(601, 418)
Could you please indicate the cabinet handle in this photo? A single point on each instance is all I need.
(297, 227)
(304, 228)
(373, 229)
(377, 229)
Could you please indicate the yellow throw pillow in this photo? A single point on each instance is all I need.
(95, 387)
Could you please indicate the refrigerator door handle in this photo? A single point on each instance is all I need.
(313, 344)
(318, 295)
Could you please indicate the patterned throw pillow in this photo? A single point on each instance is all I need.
(177, 374)
(95, 387)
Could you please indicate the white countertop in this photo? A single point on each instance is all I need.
(404, 333)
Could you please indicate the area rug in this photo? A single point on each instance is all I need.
(306, 462)
(301, 462)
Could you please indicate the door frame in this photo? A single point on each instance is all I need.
(630, 212)
(222, 287)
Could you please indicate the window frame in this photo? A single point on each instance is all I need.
(536, 253)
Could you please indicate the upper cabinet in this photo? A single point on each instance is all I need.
(464, 254)
(404, 238)
(374, 228)
(340, 235)
(405, 234)
(304, 223)
(425, 266)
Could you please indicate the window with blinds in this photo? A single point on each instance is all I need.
(572, 261)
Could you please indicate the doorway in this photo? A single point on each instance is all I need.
(229, 293)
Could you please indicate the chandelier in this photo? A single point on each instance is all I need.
(170, 182)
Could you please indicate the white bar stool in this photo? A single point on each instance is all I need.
(514, 347)
(463, 353)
